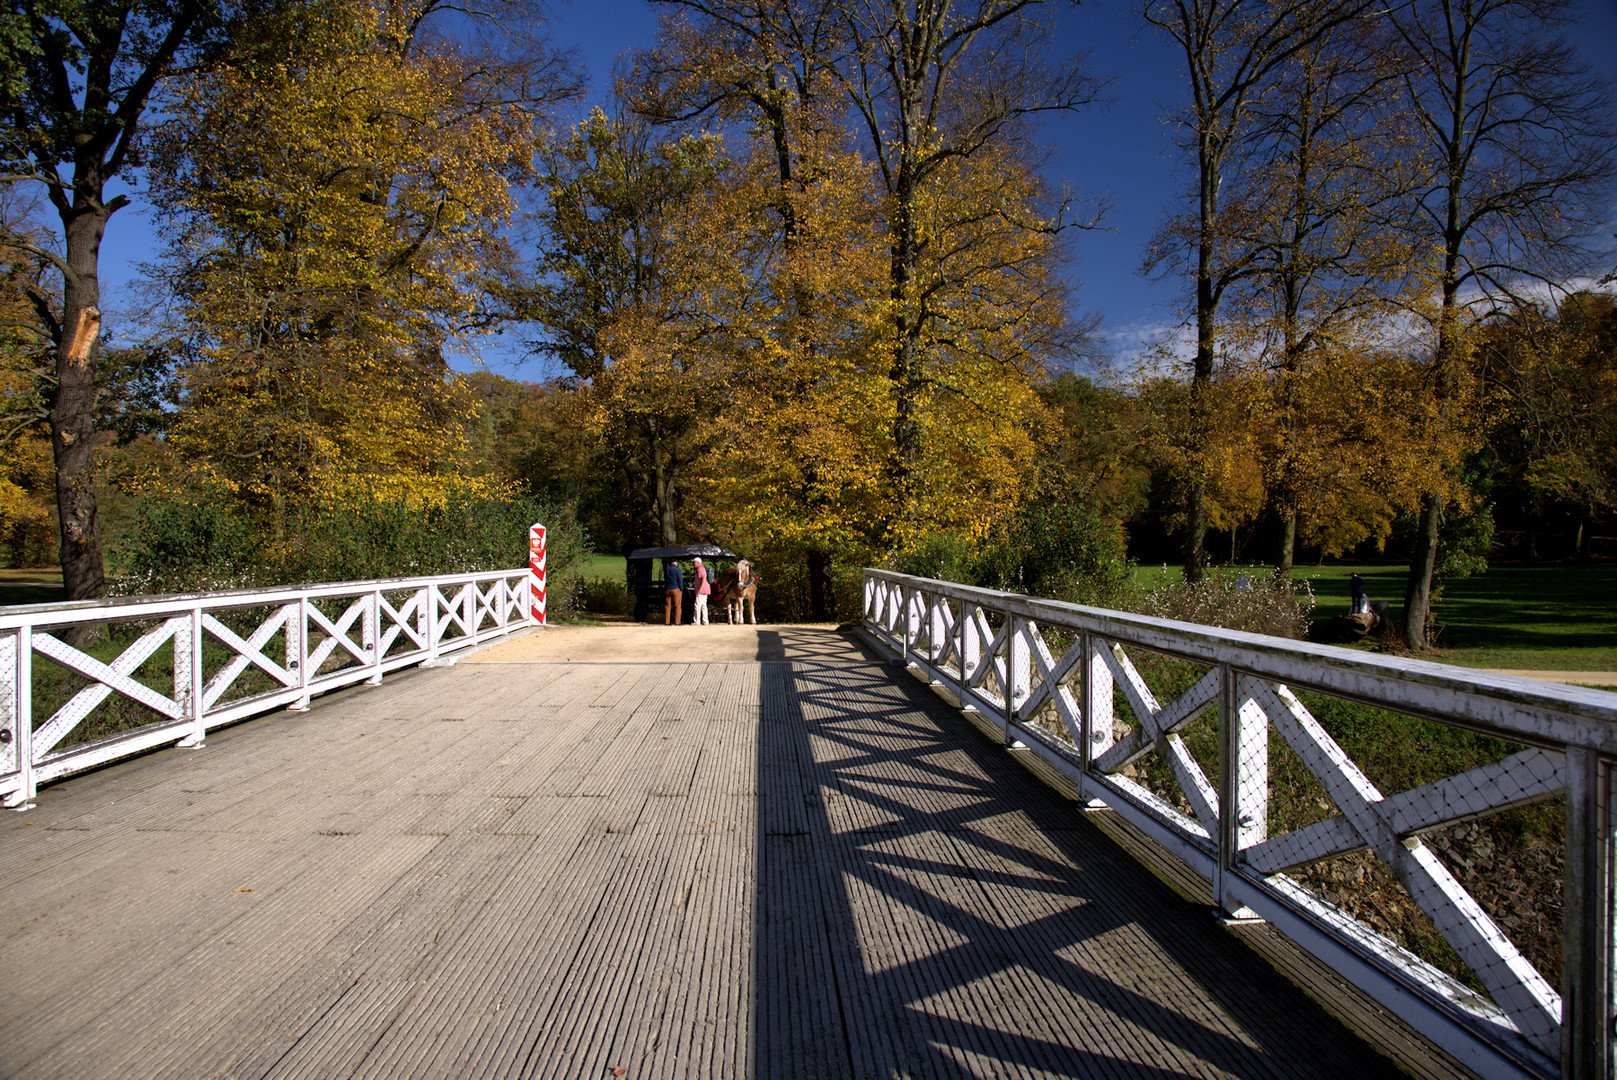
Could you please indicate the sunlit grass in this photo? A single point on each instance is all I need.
(1545, 618)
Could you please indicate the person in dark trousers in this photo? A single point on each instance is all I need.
(673, 598)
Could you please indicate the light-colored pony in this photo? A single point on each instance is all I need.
(739, 588)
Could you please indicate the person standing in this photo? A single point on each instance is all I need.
(704, 588)
(673, 597)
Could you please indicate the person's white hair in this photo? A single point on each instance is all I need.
(699, 560)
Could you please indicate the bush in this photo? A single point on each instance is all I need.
(1264, 605)
(605, 596)
(1062, 551)
(191, 542)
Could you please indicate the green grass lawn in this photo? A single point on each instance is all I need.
(1534, 617)
(30, 587)
(611, 567)
(1547, 618)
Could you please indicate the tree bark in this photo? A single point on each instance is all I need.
(821, 608)
(72, 415)
(1196, 531)
(1288, 543)
(1422, 566)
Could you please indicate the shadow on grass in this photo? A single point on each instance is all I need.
(1508, 609)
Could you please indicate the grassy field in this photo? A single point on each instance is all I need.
(1536, 617)
(30, 587)
(610, 567)
(1557, 618)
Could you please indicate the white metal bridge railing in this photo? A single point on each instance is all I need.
(1208, 741)
(155, 671)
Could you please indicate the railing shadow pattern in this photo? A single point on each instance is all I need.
(924, 908)
(1067, 682)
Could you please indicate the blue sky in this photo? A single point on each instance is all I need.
(1122, 152)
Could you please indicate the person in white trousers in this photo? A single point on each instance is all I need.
(704, 588)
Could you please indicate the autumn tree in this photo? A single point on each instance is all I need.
(939, 90)
(77, 79)
(1233, 50)
(26, 368)
(1518, 144)
(1318, 198)
(1553, 431)
(935, 186)
(761, 73)
(336, 208)
(617, 296)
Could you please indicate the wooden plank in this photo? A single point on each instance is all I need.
(552, 870)
(129, 1012)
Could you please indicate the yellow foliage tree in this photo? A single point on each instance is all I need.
(338, 214)
(27, 511)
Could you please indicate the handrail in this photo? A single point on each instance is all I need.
(330, 635)
(1091, 715)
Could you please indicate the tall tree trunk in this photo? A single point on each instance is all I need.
(819, 574)
(73, 408)
(1206, 345)
(1288, 542)
(1423, 562)
(1196, 531)
(904, 372)
(1422, 565)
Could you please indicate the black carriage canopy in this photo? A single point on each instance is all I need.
(685, 551)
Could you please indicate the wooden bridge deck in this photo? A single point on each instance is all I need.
(795, 867)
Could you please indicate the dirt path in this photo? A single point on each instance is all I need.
(1582, 678)
(645, 643)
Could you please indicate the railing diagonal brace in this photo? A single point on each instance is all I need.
(1197, 789)
(109, 677)
(1514, 984)
(250, 651)
(1052, 676)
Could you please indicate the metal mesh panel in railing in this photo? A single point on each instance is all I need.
(1420, 827)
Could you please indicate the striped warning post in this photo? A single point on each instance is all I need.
(536, 574)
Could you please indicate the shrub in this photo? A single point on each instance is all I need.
(605, 596)
(1263, 605)
(1062, 551)
(191, 542)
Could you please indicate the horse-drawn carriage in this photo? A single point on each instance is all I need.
(736, 587)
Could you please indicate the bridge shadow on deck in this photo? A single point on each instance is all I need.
(926, 908)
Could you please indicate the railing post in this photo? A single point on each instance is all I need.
(426, 616)
(1097, 693)
(188, 677)
(935, 630)
(1588, 1008)
(906, 603)
(297, 652)
(1243, 784)
(1018, 672)
(16, 748)
(373, 636)
(23, 714)
(967, 647)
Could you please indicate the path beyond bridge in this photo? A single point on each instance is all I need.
(648, 852)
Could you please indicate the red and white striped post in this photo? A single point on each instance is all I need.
(536, 574)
